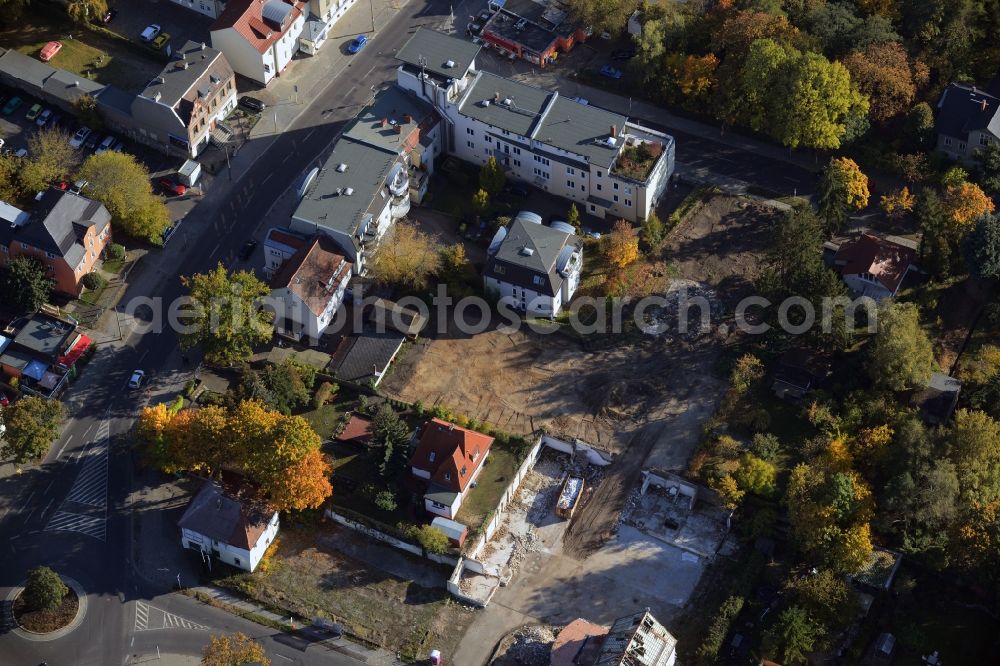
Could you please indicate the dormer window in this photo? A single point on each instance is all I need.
(463, 470)
(447, 476)
(433, 455)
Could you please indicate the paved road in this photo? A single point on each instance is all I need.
(70, 512)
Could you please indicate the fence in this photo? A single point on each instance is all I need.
(594, 457)
(391, 540)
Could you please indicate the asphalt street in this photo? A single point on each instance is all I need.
(69, 512)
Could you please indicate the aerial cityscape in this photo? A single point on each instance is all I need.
(499, 332)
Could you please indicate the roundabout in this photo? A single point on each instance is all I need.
(48, 625)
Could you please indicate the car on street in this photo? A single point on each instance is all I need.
(173, 187)
(252, 103)
(49, 51)
(623, 54)
(4, 400)
(611, 72)
(11, 105)
(150, 32)
(43, 118)
(357, 44)
(105, 145)
(80, 136)
(109, 15)
(247, 250)
(137, 379)
(160, 41)
(33, 112)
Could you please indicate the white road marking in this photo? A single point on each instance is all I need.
(65, 444)
(216, 249)
(266, 178)
(46, 491)
(46, 509)
(151, 618)
(63, 521)
(28, 501)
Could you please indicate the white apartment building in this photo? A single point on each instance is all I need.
(259, 37)
(210, 8)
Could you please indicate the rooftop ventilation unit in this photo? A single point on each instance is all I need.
(611, 142)
(526, 251)
(485, 103)
(449, 64)
(348, 191)
(507, 101)
(341, 168)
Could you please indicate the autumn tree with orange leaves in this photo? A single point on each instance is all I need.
(966, 202)
(621, 246)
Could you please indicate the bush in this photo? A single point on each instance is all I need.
(765, 446)
(44, 590)
(324, 394)
(386, 500)
(717, 631)
(431, 539)
(94, 281)
(115, 252)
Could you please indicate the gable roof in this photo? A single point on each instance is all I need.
(195, 72)
(39, 77)
(450, 453)
(216, 515)
(313, 273)
(887, 261)
(433, 50)
(963, 109)
(58, 223)
(531, 250)
(260, 22)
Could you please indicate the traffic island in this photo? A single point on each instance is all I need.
(49, 623)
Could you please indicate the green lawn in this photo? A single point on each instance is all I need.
(324, 420)
(498, 471)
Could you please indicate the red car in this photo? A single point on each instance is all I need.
(176, 188)
(49, 51)
(4, 401)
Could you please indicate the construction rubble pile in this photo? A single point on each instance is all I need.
(682, 315)
(531, 646)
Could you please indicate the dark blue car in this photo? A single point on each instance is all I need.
(357, 44)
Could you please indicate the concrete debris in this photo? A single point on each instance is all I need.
(531, 646)
(686, 313)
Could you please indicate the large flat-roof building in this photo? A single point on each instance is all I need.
(597, 158)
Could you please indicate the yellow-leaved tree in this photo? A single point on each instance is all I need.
(621, 246)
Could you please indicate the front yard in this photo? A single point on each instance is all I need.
(481, 501)
(307, 576)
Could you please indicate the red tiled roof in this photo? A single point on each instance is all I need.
(245, 17)
(357, 430)
(313, 273)
(287, 239)
(450, 453)
(886, 261)
(578, 644)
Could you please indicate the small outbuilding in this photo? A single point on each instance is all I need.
(455, 531)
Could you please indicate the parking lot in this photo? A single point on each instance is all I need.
(180, 23)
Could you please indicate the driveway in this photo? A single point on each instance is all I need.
(182, 24)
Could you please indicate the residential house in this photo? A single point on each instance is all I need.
(308, 290)
(536, 268)
(210, 8)
(259, 37)
(323, 14)
(40, 351)
(53, 86)
(229, 527)
(530, 30)
(968, 120)
(874, 266)
(66, 232)
(446, 461)
(178, 109)
(590, 156)
(280, 245)
(938, 399)
(363, 358)
(637, 640)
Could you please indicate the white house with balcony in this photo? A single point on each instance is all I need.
(308, 289)
(259, 37)
(233, 529)
(534, 267)
(596, 158)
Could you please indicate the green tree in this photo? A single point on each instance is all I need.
(32, 425)
(44, 590)
(825, 596)
(602, 15)
(793, 636)
(573, 217)
(989, 170)
(386, 500)
(481, 201)
(51, 159)
(390, 432)
(122, 184)
(83, 11)
(11, 186)
(939, 251)
(85, 110)
(981, 247)
(919, 126)
(756, 476)
(974, 447)
(431, 539)
(233, 650)
(766, 446)
(25, 284)
(225, 318)
(653, 231)
(492, 177)
(843, 188)
(901, 354)
(835, 25)
(456, 269)
(406, 258)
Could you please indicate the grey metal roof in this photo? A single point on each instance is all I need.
(45, 335)
(38, 77)
(963, 109)
(441, 495)
(214, 514)
(15, 358)
(58, 223)
(527, 103)
(530, 250)
(391, 104)
(193, 65)
(326, 205)
(23, 68)
(582, 129)
(433, 50)
(362, 355)
(116, 99)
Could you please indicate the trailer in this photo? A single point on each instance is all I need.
(569, 496)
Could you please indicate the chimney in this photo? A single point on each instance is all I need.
(385, 121)
(182, 55)
(407, 118)
(399, 129)
(983, 105)
(204, 46)
(496, 96)
(614, 131)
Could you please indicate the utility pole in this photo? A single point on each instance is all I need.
(229, 167)
(371, 7)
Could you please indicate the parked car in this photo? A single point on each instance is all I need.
(44, 117)
(252, 103)
(611, 72)
(247, 250)
(91, 141)
(80, 136)
(590, 233)
(581, 100)
(49, 51)
(623, 54)
(11, 105)
(173, 187)
(137, 379)
(150, 32)
(357, 44)
(4, 400)
(105, 145)
(21, 152)
(160, 41)
(34, 112)
(519, 189)
(119, 147)
(109, 15)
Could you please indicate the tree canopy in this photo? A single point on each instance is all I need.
(32, 424)
(901, 354)
(407, 257)
(25, 284)
(122, 184)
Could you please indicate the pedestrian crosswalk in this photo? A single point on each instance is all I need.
(150, 618)
(85, 508)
